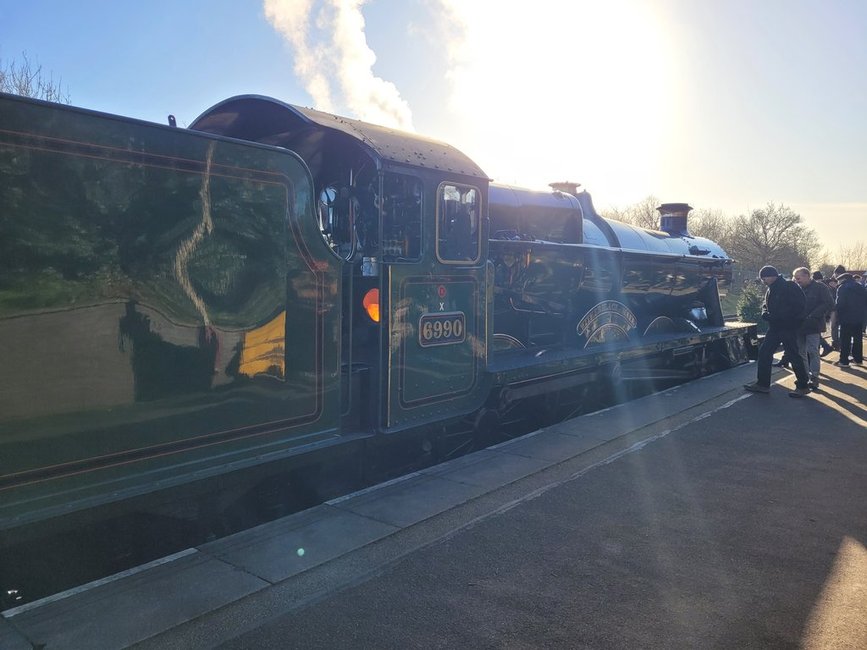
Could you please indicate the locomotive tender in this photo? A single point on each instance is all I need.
(276, 286)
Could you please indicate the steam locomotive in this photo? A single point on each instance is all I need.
(280, 289)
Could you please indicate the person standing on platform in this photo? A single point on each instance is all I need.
(783, 309)
(819, 303)
(826, 347)
(860, 280)
(833, 283)
(851, 314)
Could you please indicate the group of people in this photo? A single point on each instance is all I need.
(797, 311)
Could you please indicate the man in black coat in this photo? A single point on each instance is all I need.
(833, 283)
(851, 314)
(784, 309)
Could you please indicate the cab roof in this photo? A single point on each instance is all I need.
(259, 118)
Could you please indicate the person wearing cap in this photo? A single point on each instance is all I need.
(819, 303)
(784, 310)
(851, 313)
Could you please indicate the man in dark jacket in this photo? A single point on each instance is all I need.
(833, 283)
(819, 304)
(851, 314)
(784, 310)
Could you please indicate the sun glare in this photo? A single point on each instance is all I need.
(837, 617)
(551, 90)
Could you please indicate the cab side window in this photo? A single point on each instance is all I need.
(458, 223)
(401, 202)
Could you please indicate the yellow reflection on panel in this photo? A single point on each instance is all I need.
(262, 349)
(838, 618)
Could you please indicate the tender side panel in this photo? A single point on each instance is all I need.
(167, 307)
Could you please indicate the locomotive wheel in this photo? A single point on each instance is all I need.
(474, 432)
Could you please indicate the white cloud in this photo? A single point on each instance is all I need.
(334, 62)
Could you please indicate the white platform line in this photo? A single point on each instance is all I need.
(372, 488)
(14, 611)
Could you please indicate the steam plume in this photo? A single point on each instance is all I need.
(333, 60)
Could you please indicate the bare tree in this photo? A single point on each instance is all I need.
(854, 256)
(642, 214)
(771, 235)
(615, 213)
(774, 235)
(26, 78)
(712, 224)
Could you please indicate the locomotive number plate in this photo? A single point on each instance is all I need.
(442, 328)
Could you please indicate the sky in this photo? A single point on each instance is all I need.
(725, 105)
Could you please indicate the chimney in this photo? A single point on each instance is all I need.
(565, 186)
(673, 218)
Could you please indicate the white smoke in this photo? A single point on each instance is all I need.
(333, 60)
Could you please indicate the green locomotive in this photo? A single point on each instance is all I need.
(278, 289)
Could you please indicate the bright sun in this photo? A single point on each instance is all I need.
(581, 89)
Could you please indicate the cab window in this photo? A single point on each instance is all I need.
(380, 214)
(458, 221)
(401, 201)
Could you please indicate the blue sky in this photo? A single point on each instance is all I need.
(727, 105)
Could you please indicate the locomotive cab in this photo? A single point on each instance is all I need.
(406, 215)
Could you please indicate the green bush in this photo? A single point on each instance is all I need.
(750, 306)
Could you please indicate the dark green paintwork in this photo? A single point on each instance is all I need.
(423, 376)
(138, 266)
(435, 382)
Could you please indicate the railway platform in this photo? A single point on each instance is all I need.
(702, 516)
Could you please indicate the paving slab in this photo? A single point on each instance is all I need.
(488, 469)
(405, 503)
(553, 447)
(121, 612)
(12, 639)
(285, 548)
